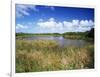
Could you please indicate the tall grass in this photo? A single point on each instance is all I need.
(46, 55)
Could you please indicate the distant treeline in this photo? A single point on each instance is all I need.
(71, 35)
(17, 34)
(36, 34)
(88, 35)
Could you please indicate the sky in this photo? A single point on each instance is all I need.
(52, 19)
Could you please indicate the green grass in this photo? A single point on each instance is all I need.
(46, 55)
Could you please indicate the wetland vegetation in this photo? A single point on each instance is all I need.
(46, 54)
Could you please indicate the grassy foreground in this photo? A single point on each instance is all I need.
(46, 55)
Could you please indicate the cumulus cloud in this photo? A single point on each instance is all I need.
(86, 23)
(65, 26)
(20, 26)
(47, 24)
(22, 10)
(75, 22)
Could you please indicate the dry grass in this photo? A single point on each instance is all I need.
(46, 55)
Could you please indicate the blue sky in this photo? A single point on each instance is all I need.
(53, 19)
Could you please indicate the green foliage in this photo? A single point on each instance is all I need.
(88, 35)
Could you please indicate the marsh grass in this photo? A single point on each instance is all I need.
(46, 55)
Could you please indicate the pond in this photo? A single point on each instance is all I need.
(60, 40)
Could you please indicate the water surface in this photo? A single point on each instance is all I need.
(60, 40)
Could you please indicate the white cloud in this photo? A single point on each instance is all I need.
(52, 19)
(86, 23)
(75, 22)
(65, 26)
(20, 26)
(47, 24)
(22, 10)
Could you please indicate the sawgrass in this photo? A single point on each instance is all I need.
(47, 55)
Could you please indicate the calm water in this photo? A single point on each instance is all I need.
(60, 40)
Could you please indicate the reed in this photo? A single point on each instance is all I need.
(46, 55)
